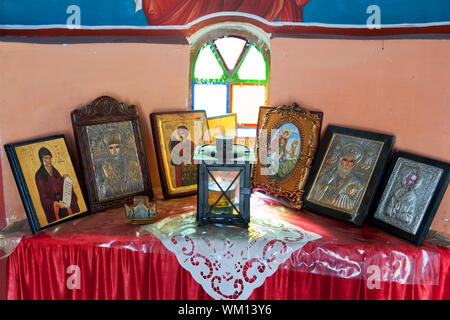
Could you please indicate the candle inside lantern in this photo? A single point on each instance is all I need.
(214, 193)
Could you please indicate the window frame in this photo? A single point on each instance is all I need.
(245, 31)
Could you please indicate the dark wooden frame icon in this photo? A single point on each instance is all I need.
(107, 110)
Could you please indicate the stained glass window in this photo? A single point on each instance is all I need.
(230, 74)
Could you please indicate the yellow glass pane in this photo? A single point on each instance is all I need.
(246, 100)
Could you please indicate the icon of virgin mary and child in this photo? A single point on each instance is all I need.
(181, 149)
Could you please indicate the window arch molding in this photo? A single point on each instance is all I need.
(239, 29)
(246, 31)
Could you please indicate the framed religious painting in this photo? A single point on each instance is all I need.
(287, 137)
(110, 146)
(176, 134)
(264, 109)
(222, 125)
(410, 196)
(47, 182)
(346, 173)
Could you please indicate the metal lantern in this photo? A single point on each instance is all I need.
(223, 193)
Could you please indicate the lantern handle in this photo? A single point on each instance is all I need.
(247, 148)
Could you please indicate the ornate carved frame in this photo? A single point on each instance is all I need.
(101, 111)
(290, 187)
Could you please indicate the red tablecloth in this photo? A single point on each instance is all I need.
(116, 260)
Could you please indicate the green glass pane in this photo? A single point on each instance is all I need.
(207, 66)
(253, 67)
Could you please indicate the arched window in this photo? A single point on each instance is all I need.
(230, 72)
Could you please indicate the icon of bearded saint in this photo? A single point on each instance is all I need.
(402, 204)
(118, 174)
(339, 187)
(50, 185)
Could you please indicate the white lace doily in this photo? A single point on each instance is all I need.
(229, 262)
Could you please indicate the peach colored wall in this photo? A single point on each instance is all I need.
(42, 83)
(395, 86)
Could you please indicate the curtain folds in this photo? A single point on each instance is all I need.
(181, 12)
(41, 270)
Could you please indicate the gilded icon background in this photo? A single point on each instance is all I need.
(176, 135)
(115, 160)
(179, 141)
(408, 194)
(345, 173)
(49, 193)
(222, 125)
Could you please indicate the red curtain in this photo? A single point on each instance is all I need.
(117, 260)
(118, 273)
(181, 12)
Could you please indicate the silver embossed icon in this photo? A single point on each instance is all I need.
(408, 194)
(345, 173)
(115, 159)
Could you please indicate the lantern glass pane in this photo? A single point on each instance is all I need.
(229, 183)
